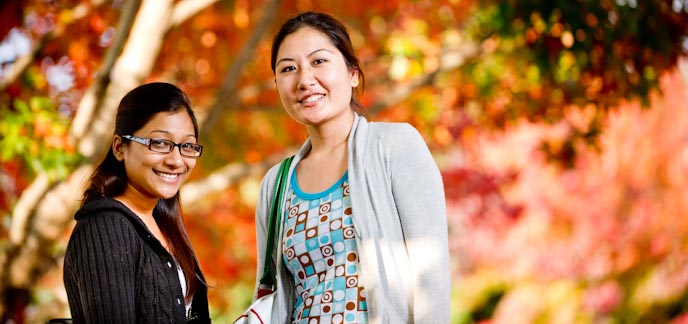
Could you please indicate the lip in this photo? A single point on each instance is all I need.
(169, 176)
(301, 100)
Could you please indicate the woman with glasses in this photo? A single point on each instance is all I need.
(129, 259)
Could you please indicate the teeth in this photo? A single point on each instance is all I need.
(313, 98)
(166, 175)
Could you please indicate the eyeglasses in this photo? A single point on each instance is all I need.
(160, 145)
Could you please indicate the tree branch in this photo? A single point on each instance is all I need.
(186, 9)
(35, 214)
(22, 63)
(36, 223)
(223, 178)
(450, 59)
(26, 206)
(220, 180)
(226, 97)
(18, 68)
(93, 98)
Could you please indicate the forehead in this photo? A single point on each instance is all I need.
(176, 122)
(305, 40)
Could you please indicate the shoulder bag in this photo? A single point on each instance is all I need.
(260, 311)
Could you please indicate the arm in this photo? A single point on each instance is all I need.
(100, 268)
(419, 196)
(262, 210)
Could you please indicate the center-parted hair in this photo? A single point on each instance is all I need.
(338, 35)
(109, 179)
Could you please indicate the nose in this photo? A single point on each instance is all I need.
(175, 157)
(306, 78)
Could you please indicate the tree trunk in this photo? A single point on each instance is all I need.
(44, 212)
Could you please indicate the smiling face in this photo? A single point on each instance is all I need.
(153, 175)
(312, 78)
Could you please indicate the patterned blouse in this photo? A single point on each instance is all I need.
(321, 253)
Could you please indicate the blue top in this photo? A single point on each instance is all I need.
(311, 196)
(320, 251)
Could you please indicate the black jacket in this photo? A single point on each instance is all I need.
(116, 271)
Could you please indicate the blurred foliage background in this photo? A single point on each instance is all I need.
(560, 128)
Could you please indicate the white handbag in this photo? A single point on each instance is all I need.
(261, 310)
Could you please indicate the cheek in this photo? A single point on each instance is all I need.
(286, 96)
(282, 86)
(190, 165)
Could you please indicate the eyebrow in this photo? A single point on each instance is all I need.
(167, 132)
(309, 55)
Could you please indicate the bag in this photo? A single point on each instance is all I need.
(261, 310)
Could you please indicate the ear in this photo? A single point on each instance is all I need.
(354, 78)
(118, 147)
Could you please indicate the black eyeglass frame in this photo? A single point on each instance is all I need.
(149, 141)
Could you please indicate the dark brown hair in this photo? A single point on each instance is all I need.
(110, 179)
(338, 35)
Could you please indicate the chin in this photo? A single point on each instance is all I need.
(167, 195)
(314, 119)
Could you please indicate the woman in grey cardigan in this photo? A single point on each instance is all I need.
(363, 235)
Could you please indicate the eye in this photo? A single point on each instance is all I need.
(319, 61)
(189, 147)
(157, 143)
(287, 69)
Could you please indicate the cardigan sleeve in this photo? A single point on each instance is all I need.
(419, 197)
(262, 210)
(99, 270)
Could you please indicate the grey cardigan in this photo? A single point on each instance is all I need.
(399, 214)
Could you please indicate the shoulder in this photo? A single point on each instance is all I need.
(401, 145)
(269, 177)
(393, 133)
(102, 210)
(269, 180)
(103, 234)
(391, 128)
(105, 218)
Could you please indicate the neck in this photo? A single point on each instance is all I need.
(140, 204)
(332, 135)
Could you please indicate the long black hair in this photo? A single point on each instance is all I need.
(109, 179)
(338, 35)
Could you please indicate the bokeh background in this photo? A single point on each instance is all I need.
(560, 128)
